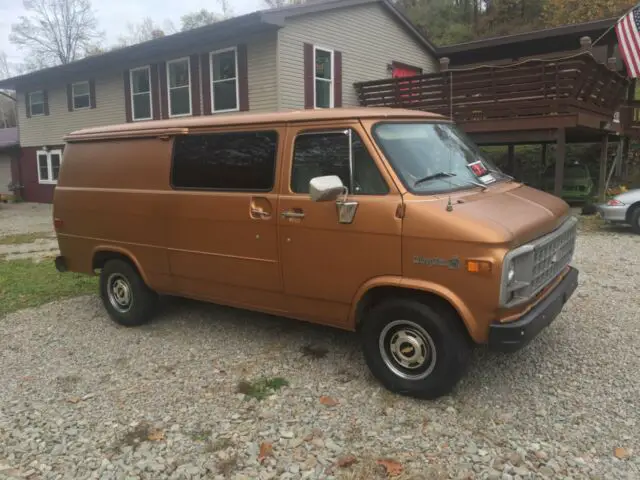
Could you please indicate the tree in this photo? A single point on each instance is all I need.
(562, 12)
(55, 31)
(146, 30)
(198, 19)
(282, 3)
(8, 112)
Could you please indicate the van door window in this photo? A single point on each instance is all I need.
(225, 161)
(331, 153)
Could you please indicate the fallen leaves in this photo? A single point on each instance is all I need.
(622, 453)
(266, 450)
(81, 399)
(155, 435)
(393, 468)
(346, 461)
(328, 401)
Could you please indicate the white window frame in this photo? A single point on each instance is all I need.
(73, 95)
(169, 88)
(49, 180)
(213, 82)
(331, 81)
(131, 93)
(31, 114)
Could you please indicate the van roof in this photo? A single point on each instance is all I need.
(184, 125)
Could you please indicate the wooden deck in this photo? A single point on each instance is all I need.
(525, 102)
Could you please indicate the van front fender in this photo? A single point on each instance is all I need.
(417, 285)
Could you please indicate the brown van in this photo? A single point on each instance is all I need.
(382, 221)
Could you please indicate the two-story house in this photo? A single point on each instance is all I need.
(295, 57)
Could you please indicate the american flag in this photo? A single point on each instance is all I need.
(627, 31)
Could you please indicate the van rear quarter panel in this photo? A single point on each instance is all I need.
(112, 195)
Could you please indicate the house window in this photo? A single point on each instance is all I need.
(224, 80)
(316, 154)
(81, 96)
(36, 103)
(323, 60)
(179, 87)
(244, 161)
(49, 165)
(141, 108)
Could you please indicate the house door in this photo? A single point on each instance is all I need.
(325, 262)
(400, 70)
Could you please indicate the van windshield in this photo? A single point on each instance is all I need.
(434, 157)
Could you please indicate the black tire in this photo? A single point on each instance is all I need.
(635, 220)
(119, 280)
(435, 377)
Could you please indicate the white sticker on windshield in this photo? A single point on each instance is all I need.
(488, 178)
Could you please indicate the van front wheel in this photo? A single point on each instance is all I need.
(126, 297)
(415, 349)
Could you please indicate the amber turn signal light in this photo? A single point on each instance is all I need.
(478, 266)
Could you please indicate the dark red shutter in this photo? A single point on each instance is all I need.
(45, 96)
(206, 84)
(92, 93)
(155, 91)
(194, 63)
(69, 97)
(127, 95)
(337, 79)
(309, 101)
(243, 78)
(27, 105)
(164, 99)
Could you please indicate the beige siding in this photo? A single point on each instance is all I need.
(5, 173)
(110, 97)
(263, 79)
(50, 129)
(369, 38)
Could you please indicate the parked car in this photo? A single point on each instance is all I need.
(577, 185)
(622, 209)
(387, 222)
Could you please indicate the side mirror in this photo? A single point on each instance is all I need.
(324, 189)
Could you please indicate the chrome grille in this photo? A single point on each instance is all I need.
(552, 255)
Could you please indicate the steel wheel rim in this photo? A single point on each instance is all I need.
(119, 292)
(407, 350)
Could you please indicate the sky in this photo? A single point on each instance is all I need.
(113, 16)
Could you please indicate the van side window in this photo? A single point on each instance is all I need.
(225, 161)
(327, 153)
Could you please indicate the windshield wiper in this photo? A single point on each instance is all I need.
(433, 177)
(447, 175)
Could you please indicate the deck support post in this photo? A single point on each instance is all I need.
(603, 167)
(561, 142)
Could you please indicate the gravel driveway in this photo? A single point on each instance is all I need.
(83, 398)
(19, 218)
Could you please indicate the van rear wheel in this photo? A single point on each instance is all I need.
(125, 295)
(415, 349)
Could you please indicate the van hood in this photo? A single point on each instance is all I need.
(513, 214)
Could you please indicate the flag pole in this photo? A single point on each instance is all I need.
(614, 25)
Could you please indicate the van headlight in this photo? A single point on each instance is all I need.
(517, 273)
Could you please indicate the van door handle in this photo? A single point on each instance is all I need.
(259, 213)
(292, 214)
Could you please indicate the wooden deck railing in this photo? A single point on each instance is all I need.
(534, 88)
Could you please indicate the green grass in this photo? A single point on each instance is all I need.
(22, 238)
(24, 284)
(261, 388)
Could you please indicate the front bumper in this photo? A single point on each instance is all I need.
(614, 214)
(512, 336)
